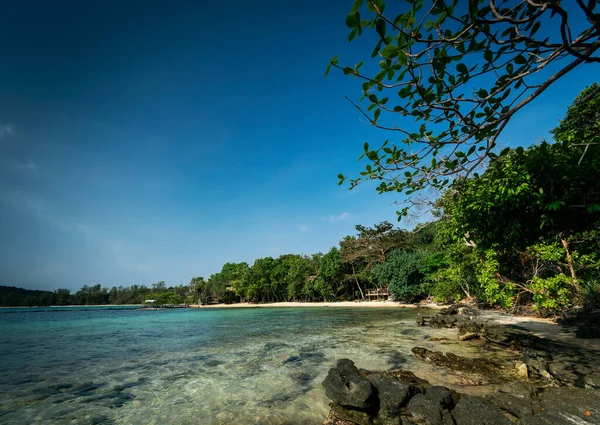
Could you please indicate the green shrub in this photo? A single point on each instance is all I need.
(552, 293)
(590, 291)
(403, 272)
(493, 290)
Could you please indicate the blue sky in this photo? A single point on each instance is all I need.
(148, 141)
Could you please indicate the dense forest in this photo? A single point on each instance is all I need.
(525, 232)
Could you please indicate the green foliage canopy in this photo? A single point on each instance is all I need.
(450, 75)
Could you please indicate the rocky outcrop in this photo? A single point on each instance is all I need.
(530, 358)
(586, 324)
(400, 398)
(346, 387)
(481, 371)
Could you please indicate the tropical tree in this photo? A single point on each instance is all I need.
(297, 277)
(451, 74)
(403, 272)
(202, 289)
(329, 275)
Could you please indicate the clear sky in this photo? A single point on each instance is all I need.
(150, 140)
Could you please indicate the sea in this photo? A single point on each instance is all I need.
(115, 365)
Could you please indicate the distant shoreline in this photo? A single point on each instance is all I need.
(74, 305)
(337, 304)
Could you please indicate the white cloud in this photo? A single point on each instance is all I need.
(6, 129)
(303, 228)
(28, 165)
(335, 218)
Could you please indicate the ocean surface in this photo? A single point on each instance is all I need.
(194, 366)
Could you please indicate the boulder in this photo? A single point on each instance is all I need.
(588, 331)
(571, 406)
(428, 410)
(470, 329)
(393, 394)
(346, 387)
(349, 415)
(472, 410)
(459, 309)
(517, 398)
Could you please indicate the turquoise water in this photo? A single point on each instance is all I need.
(190, 366)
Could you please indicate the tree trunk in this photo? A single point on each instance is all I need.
(569, 261)
(358, 284)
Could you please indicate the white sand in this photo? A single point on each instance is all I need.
(369, 304)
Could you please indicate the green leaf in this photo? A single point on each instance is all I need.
(352, 34)
(488, 55)
(376, 114)
(390, 51)
(402, 58)
(352, 20)
(332, 62)
(520, 60)
(380, 28)
(482, 93)
(462, 68)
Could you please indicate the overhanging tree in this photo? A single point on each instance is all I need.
(452, 73)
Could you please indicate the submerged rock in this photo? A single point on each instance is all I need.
(486, 370)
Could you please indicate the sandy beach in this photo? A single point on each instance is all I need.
(366, 304)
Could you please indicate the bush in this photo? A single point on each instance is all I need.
(403, 271)
(552, 293)
(590, 291)
(446, 284)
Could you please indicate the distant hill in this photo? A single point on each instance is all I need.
(11, 296)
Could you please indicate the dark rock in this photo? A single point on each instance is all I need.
(587, 323)
(393, 393)
(345, 386)
(440, 321)
(331, 419)
(497, 334)
(301, 379)
(396, 360)
(270, 346)
(470, 329)
(353, 416)
(487, 369)
(431, 408)
(472, 410)
(99, 420)
(441, 396)
(516, 398)
(571, 406)
(291, 359)
(588, 331)
(459, 309)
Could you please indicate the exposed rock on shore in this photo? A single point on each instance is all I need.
(542, 382)
(399, 397)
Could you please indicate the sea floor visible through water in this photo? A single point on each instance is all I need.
(199, 366)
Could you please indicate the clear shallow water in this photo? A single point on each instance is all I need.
(195, 366)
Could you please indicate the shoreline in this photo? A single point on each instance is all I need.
(74, 305)
(334, 304)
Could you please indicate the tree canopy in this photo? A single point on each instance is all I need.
(446, 77)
